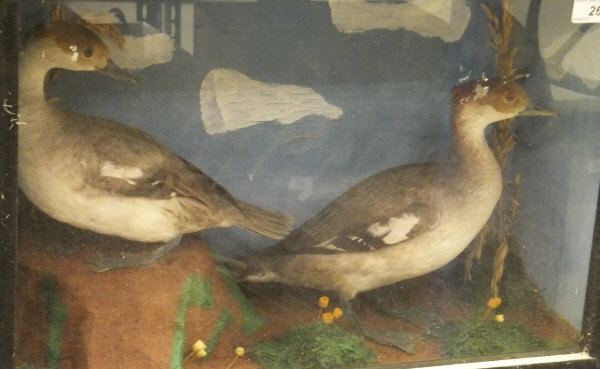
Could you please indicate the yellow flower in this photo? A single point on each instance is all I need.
(337, 313)
(499, 318)
(198, 350)
(239, 351)
(327, 318)
(199, 346)
(323, 302)
(494, 302)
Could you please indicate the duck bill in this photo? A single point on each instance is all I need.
(114, 71)
(535, 111)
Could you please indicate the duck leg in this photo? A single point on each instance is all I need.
(105, 263)
(403, 340)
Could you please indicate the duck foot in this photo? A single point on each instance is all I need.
(422, 316)
(103, 263)
(403, 340)
(417, 316)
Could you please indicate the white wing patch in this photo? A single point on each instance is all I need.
(328, 245)
(110, 169)
(395, 229)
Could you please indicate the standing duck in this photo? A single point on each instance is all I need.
(107, 177)
(404, 222)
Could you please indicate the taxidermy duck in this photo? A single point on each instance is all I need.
(107, 177)
(404, 222)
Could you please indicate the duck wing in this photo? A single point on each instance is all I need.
(121, 160)
(125, 161)
(383, 210)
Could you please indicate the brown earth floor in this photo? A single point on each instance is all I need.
(126, 318)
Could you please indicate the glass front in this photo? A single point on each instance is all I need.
(304, 184)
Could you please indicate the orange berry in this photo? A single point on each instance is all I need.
(323, 302)
(494, 302)
(327, 318)
(337, 313)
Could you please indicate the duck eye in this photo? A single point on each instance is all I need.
(510, 97)
(88, 52)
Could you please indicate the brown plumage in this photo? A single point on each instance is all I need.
(405, 221)
(108, 177)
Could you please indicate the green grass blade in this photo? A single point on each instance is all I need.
(57, 314)
(196, 292)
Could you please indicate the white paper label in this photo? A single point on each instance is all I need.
(586, 11)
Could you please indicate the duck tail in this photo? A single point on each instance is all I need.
(266, 223)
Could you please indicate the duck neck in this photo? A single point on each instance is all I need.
(31, 81)
(469, 146)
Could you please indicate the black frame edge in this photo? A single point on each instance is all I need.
(591, 315)
(9, 38)
(8, 176)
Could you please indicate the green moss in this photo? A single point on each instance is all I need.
(462, 338)
(561, 345)
(57, 313)
(313, 346)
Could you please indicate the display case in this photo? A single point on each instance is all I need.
(300, 184)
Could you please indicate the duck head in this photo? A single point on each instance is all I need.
(481, 102)
(69, 45)
(478, 103)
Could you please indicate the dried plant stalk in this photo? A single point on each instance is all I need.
(474, 252)
(498, 266)
(503, 142)
(59, 13)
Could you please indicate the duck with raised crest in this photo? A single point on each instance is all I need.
(107, 177)
(403, 222)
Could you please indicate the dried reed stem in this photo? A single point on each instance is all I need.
(503, 142)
